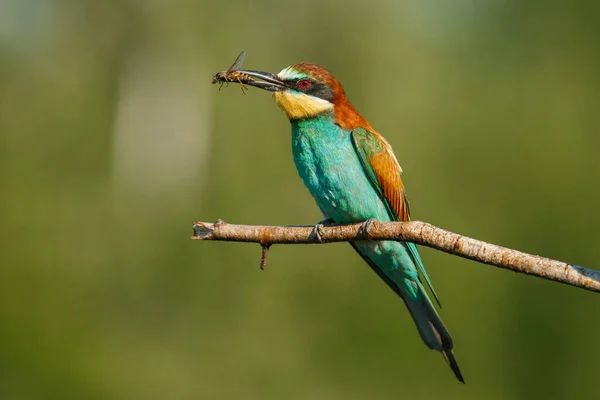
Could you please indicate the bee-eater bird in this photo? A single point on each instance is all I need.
(353, 175)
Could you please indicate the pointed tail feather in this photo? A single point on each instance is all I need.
(432, 329)
(449, 356)
(430, 326)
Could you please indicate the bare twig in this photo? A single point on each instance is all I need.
(414, 231)
(263, 256)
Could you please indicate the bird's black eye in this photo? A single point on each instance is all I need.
(304, 83)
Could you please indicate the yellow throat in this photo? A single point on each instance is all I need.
(299, 105)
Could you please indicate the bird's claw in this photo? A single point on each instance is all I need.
(316, 232)
(365, 227)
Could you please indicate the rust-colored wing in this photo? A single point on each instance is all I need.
(383, 170)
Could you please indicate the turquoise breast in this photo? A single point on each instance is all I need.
(327, 162)
(332, 172)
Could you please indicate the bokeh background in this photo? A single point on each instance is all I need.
(113, 141)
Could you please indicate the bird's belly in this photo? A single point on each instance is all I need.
(333, 174)
(327, 162)
(344, 193)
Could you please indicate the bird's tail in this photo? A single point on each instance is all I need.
(432, 329)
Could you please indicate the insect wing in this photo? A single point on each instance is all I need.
(237, 64)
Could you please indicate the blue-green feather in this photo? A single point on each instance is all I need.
(345, 190)
(365, 144)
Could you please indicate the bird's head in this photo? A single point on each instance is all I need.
(307, 91)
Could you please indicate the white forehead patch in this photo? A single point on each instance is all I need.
(289, 73)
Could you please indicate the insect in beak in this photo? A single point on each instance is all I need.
(259, 79)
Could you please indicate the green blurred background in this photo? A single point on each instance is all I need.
(113, 141)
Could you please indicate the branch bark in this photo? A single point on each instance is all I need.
(414, 231)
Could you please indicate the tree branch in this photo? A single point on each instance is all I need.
(414, 231)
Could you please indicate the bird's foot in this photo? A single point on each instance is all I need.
(365, 227)
(316, 232)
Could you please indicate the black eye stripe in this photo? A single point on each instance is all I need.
(316, 89)
(320, 90)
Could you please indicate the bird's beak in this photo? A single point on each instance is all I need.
(263, 80)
